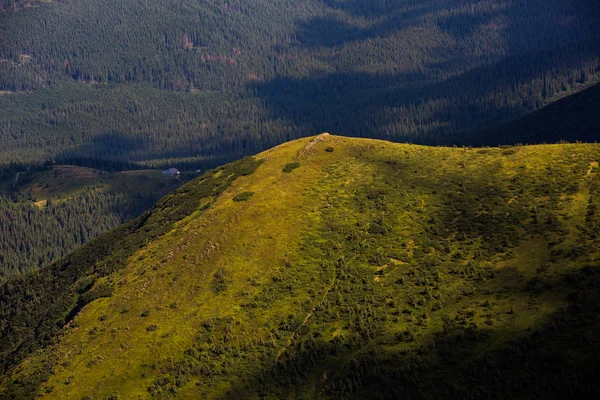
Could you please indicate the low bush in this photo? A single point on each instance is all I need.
(291, 166)
(243, 196)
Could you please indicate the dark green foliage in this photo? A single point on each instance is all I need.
(48, 210)
(33, 237)
(220, 281)
(377, 229)
(100, 290)
(570, 119)
(201, 83)
(291, 166)
(243, 196)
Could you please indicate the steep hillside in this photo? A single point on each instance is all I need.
(334, 268)
(573, 118)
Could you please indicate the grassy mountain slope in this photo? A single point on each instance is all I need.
(336, 268)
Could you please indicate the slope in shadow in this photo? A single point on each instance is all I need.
(401, 107)
(573, 118)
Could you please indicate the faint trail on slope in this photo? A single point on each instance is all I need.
(293, 335)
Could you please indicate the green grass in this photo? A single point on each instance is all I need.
(375, 270)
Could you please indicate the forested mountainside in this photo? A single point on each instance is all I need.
(49, 211)
(209, 81)
(16, 5)
(570, 119)
(335, 268)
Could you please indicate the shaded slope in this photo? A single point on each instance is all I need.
(107, 79)
(46, 212)
(347, 268)
(573, 118)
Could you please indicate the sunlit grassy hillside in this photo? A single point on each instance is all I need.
(331, 267)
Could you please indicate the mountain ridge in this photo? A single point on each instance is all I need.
(342, 268)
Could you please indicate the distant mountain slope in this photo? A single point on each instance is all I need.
(214, 80)
(573, 118)
(334, 268)
(16, 5)
(48, 211)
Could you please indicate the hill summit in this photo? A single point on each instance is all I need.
(330, 267)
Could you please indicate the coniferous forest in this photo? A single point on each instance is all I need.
(210, 81)
(47, 211)
(33, 236)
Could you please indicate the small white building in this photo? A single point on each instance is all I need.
(170, 172)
